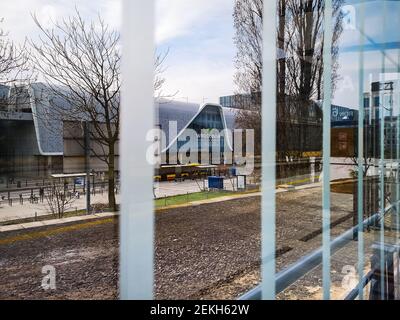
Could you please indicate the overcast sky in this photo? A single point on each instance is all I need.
(197, 33)
(381, 28)
(199, 37)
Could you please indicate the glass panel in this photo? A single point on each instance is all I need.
(206, 190)
(349, 250)
(259, 143)
(59, 149)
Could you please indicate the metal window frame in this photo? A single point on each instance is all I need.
(137, 208)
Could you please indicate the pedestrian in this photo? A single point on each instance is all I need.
(41, 193)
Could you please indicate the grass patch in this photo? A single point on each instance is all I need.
(190, 197)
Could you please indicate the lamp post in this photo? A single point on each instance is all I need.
(87, 164)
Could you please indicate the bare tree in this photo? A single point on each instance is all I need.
(14, 67)
(305, 46)
(367, 163)
(13, 59)
(299, 61)
(248, 40)
(58, 200)
(81, 64)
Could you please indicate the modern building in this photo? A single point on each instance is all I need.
(379, 109)
(174, 119)
(30, 143)
(382, 94)
(240, 101)
(35, 142)
(199, 118)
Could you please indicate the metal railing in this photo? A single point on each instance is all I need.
(294, 272)
(352, 295)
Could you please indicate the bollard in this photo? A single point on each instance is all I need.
(35, 215)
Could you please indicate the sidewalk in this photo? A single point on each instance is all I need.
(61, 221)
(28, 210)
(53, 222)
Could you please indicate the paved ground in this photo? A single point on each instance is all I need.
(28, 210)
(207, 251)
(339, 169)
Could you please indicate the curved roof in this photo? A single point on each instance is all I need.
(184, 113)
(49, 133)
(49, 128)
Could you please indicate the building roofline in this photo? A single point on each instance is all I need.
(221, 111)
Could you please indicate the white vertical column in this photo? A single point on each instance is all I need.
(136, 221)
(326, 203)
(268, 151)
(397, 173)
(360, 191)
(382, 158)
(397, 103)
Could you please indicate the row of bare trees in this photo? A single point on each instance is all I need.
(299, 63)
(14, 65)
(13, 59)
(80, 64)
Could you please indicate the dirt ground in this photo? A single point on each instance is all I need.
(202, 252)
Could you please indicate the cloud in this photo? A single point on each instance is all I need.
(199, 35)
(111, 11)
(199, 81)
(200, 60)
(176, 18)
(47, 15)
(19, 23)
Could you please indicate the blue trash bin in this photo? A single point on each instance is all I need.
(215, 182)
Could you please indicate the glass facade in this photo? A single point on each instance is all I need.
(303, 202)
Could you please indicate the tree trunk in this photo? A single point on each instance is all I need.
(111, 178)
(281, 45)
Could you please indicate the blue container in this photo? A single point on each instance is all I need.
(215, 182)
(80, 181)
